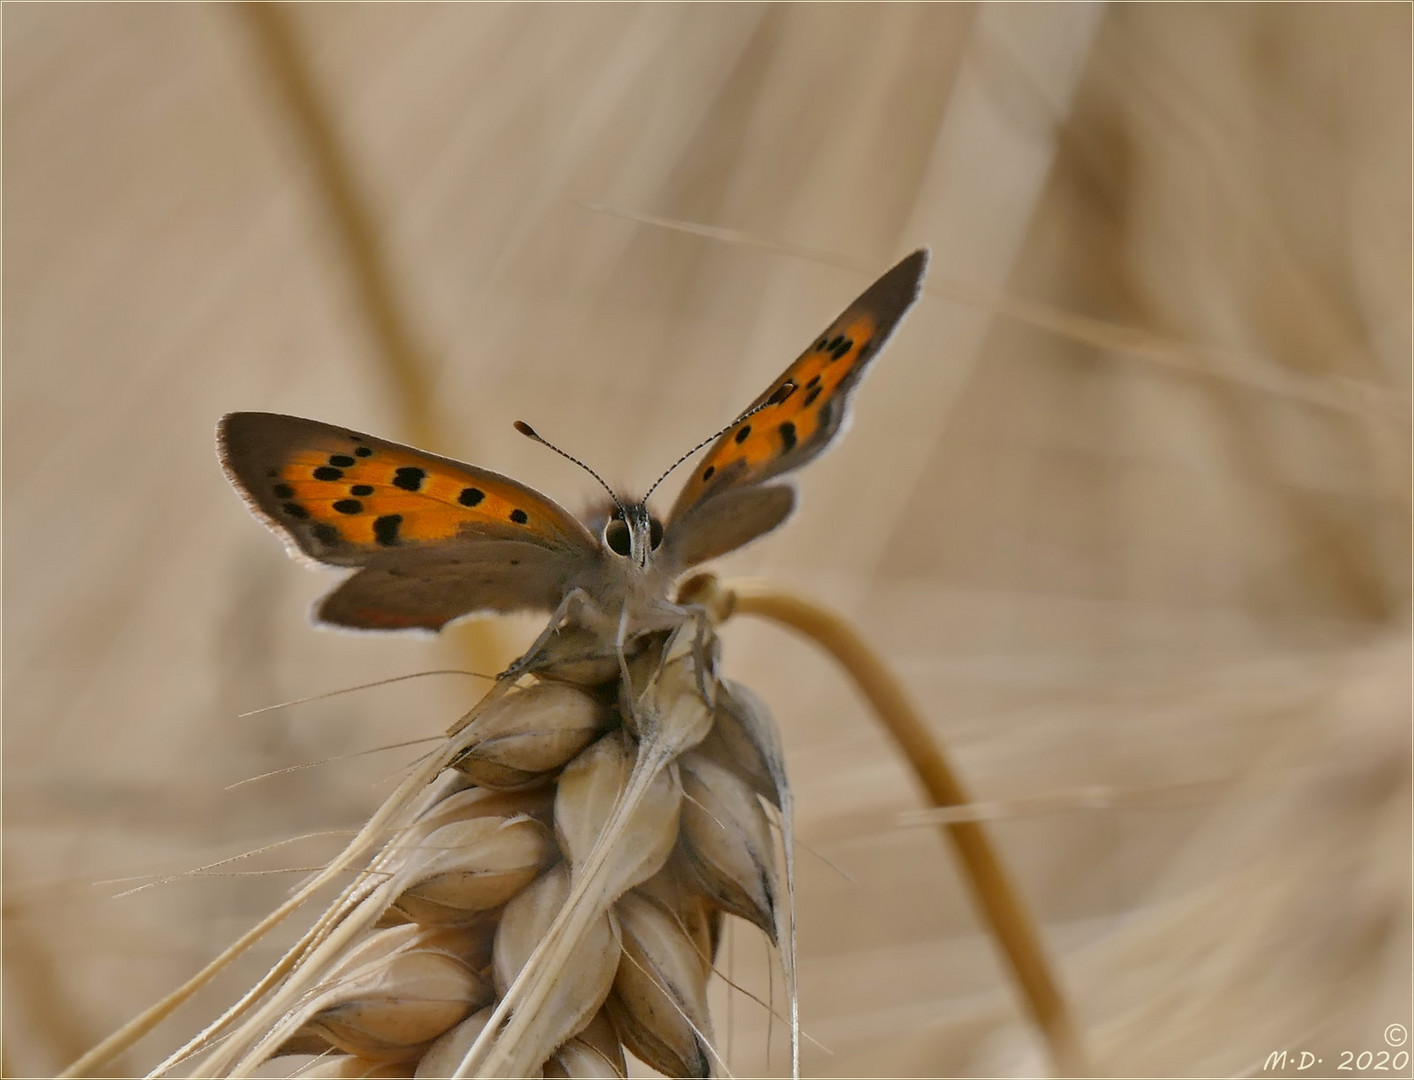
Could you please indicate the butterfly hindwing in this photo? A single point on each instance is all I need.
(435, 538)
(726, 522)
(785, 434)
(427, 592)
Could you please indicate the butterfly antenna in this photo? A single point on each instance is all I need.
(530, 433)
(785, 390)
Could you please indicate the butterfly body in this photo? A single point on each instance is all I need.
(432, 539)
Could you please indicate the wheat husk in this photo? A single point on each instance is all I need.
(594, 1054)
(726, 841)
(529, 733)
(659, 1000)
(398, 990)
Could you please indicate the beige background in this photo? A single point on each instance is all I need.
(1126, 502)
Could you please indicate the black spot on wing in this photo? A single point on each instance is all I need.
(295, 510)
(409, 477)
(283, 491)
(471, 496)
(326, 534)
(385, 529)
(520, 517)
(787, 430)
(743, 434)
(364, 451)
(328, 472)
(708, 473)
(341, 461)
(349, 506)
(361, 489)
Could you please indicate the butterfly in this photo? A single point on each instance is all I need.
(431, 540)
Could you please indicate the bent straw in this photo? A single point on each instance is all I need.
(991, 888)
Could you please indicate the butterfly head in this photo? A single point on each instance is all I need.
(632, 533)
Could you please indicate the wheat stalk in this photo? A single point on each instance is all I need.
(551, 886)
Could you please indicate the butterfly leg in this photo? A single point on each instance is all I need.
(628, 702)
(703, 649)
(703, 645)
(629, 697)
(620, 643)
(521, 665)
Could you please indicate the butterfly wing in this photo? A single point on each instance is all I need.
(432, 539)
(729, 499)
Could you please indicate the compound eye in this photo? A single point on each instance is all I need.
(655, 533)
(616, 535)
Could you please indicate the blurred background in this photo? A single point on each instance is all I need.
(1126, 503)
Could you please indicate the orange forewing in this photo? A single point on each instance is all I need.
(345, 498)
(783, 436)
(429, 512)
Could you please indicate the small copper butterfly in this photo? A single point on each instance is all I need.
(432, 540)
